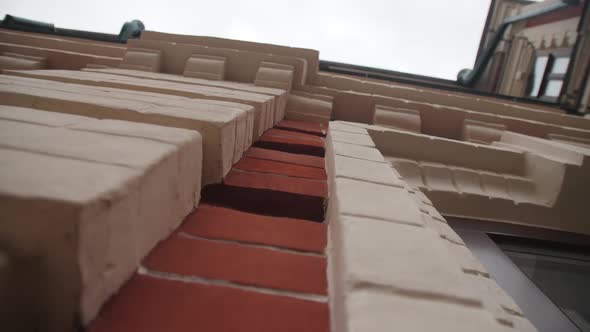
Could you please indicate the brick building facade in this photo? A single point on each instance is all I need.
(169, 183)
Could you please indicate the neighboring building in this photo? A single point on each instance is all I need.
(160, 182)
(543, 56)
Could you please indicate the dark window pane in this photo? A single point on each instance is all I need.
(563, 275)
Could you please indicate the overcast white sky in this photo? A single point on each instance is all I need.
(428, 37)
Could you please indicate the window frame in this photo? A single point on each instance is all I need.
(548, 74)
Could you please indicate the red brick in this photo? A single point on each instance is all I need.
(273, 167)
(293, 134)
(285, 157)
(222, 223)
(303, 126)
(291, 140)
(263, 201)
(241, 264)
(275, 182)
(290, 145)
(147, 304)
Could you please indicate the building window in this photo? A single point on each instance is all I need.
(546, 272)
(548, 74)
(561, 272)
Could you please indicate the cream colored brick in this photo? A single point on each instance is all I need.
(274, 77)
(315, 110)
(443, 229)
(430, 222)
(435, 214)
(190, 80)
(218, 128)
(489, 299)
(13, 62)
(357, 151)
(244, 114)
(522, 189)
(373, 200)
(468, 181)
(523, 325)
(396, 173)
(409, 170)
(374, 311)
(414, 195)
(423, 197)
(352, 138)
(28, 115)
(365, 170)
(387, 254)
(279, 94)
(346, 127)
(401, 261)
(448, 233)
(205, 66)
(189, 143)
(495, 185)
(98, 190)
(503, 299)
(93, 141)
(142, 59)
(262, 103)
(437, 176)
(266, 64)
(466, 260)
(397, 118)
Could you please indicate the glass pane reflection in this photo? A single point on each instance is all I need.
(563, 275)
(560, 65)
(553, 88)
